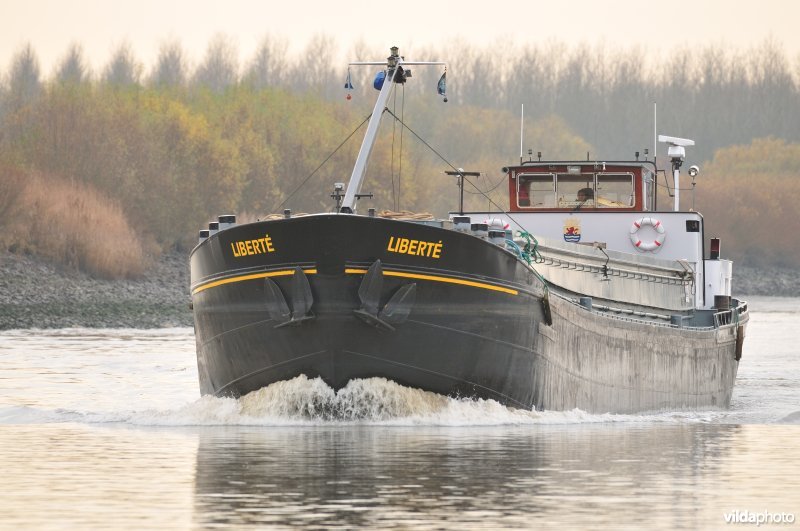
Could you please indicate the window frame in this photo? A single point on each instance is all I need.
(529, 177)
(632, 177)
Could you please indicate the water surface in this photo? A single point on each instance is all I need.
(105, 428)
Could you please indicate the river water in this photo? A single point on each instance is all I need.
(105, 429)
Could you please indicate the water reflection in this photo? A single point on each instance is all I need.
(382, 477)
(73, 476)
(348, 476)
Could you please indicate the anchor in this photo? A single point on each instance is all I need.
(302, 300)
(395, 312)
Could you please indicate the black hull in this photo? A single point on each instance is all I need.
(467, 327)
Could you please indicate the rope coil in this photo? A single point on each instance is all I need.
(405, 214)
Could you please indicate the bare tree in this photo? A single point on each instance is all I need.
(773, 89)
(269, 66)
(23, 83)
(314, 69)
(73, 69)
(220, 68)
(479, 77)
(533, 78)
(123, 69)
(170, 69)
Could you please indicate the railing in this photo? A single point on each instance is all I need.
(728, 317)
(617, 272)
(609, 313)
(721, 319)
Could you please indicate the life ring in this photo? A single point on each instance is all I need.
(497, 223)
(649, 245)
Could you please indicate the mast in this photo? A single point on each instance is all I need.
(676, 152)
(394, 73)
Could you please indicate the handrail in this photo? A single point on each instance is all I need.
(719, 321)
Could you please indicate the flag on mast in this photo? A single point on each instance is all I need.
(441, 87)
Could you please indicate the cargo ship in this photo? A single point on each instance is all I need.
(579, 293)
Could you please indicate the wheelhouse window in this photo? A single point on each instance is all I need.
(575, 190)
(536, 191)
(615, 190)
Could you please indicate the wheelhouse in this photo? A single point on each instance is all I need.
(586, 186)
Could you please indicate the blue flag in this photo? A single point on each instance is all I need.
(441, 88)
(347, 84)
(380, 77)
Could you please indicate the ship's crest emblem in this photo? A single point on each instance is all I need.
(572, 230)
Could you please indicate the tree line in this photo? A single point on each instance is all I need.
(172, 147)
(719, 96)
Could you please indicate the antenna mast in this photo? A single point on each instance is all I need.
(521, 125)
(394, 73)
(655, 134)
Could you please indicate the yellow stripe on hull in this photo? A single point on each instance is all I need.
(353, 271)
(253, 276)
(436, 278)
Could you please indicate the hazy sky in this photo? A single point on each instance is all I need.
(102, 25)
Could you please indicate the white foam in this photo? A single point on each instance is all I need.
(376, 401)
(373, 401)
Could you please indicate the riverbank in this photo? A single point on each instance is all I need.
(766, 281)
(38, 295)
(34, 294)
